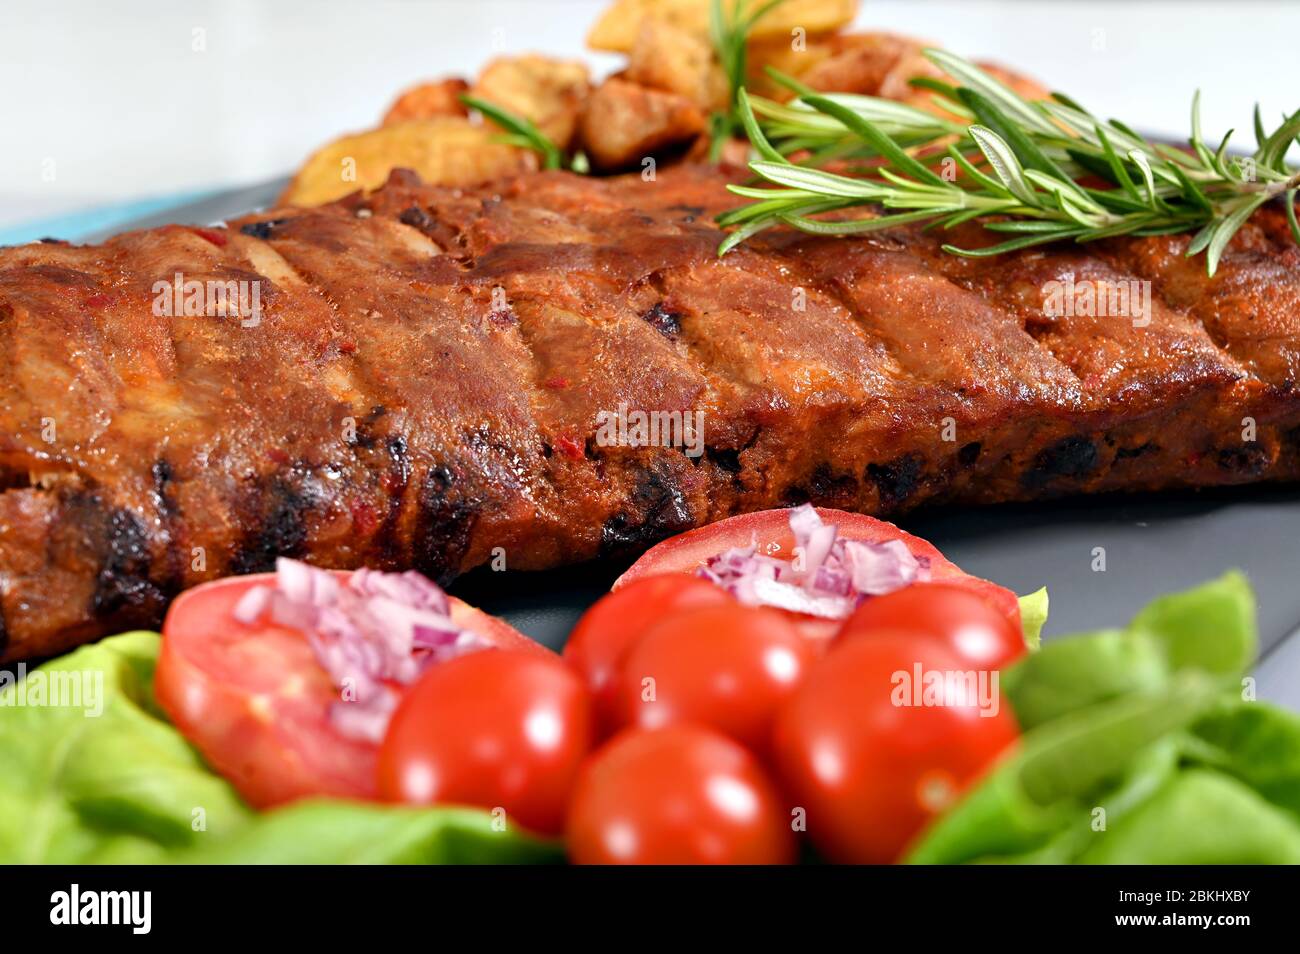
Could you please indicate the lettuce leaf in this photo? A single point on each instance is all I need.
(1138, 747)
(1033, 616)
(333, 831)
(124, 787)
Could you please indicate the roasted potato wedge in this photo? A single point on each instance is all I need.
(779, 52)
(442, 151)
(429, 100)
(883, 64)
(618, 27)
(877, 64)
(624, 122)
(549, 92)
(670, 58)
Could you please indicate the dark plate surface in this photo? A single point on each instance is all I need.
(1152, 544)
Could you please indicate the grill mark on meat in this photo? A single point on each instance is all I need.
(365, 434)
(877, 315)
(1130, 453)
(1071, 457)
(277, 524)
(721, 386)
(897, 480)
(663, 320)
(417, 218)
(826, 487)
(168, 515)
(357, 380)
(123, 589)
(262, 230)
(470, 364)
(724, 458)
(1250, 460)
(1250, 292)
(727, 319)
(1108, 354)
(659, 510)
(445, 520)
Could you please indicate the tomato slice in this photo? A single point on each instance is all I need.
(687, 552)
(255, 702)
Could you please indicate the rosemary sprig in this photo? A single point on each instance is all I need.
(520, 131)
(1029, 169)
(730, 33)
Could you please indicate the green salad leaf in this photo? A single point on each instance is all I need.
(122, 786)
(1210, 627)
(1047, 790)
(1069, 674)
(110, 780)
(333, 831)
(1258, 744)
(1138, 748)
(1033, 616)
(1199, 818)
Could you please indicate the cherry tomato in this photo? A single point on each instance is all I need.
(954, 615)
(495, 729)
(680, 795)
(726, 667)
(255, 702)
(606, 631)
(688, 551)
(870, 758)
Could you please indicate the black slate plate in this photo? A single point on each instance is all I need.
(1152, 544)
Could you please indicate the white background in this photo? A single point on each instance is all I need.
(115, 101)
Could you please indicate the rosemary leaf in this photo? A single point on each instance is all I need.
(1026, 169)
(520, 131)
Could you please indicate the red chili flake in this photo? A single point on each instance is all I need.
(347, 346)
(570, 448)
(99, 301)
(217, 238)
(557, 383)
(364, 518)
(277, 455)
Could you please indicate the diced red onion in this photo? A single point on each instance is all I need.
(879, 568)
(368, 722)
(369, 632)
(253, 604)
(801, 599)
(830, 579)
